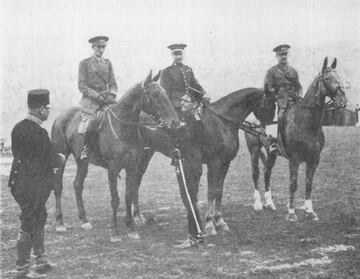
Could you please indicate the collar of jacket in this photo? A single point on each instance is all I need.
(34, 118)
(177, 64)
(99, 59)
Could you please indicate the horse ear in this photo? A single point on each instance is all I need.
(325, 64)
(334, 63)
(156, 77)
(147, 81)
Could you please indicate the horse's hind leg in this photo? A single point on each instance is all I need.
(113, 172)
(294, 168)
(209, 217)
(269, 164)
(131, 179)
(311, 166)
(81, 172)
(58, 192)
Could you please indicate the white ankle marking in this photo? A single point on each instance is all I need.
(291, 210)
(257, 195)
(308, 206)
(268, 197)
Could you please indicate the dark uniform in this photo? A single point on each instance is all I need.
(32, 179)
(96, 82)
(282, 82)
(177, 78)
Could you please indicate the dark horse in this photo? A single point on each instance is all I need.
(119, 145)
(212, 141)
(303, 138)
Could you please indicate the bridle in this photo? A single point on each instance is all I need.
(329, 105)
(157, 118)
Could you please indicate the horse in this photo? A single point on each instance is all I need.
(119, 146)
(212, 141)
(303, 139)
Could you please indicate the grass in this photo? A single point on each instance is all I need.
(260, 245)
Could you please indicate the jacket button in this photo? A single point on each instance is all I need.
(12, 182)
(15, 171)
(19, 161)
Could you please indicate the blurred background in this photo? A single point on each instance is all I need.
(229, 43)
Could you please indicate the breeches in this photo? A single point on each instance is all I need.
(33, 210)
(90, 121)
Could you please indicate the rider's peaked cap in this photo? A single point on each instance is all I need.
(38, 98)
(177, 47)
(282, 49)
(98, 40)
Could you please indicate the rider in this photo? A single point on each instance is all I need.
(178, 79)
(282, 83)
(98, 85)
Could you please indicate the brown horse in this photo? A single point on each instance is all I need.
(212, 141)
(303, 139)
(119, 146)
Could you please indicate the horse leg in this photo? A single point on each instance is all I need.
(131, 186)
(219, 221)
(294, 168)
(254, 154)
(311, 166)
(269, 164)
(209, 217)
(113, 171)
(81, 172)
(139, 219)
(60, 227)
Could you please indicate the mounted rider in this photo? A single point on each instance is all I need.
(282, 84)
(98, 85)
(178, 79)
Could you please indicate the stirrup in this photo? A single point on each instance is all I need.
(84, 153)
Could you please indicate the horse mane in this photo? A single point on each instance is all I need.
(127, 98)
(309, 99)
(243, 96)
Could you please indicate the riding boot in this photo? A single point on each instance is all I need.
(85, 153)
(42, 265)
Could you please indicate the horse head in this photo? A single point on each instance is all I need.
(157, 103)
(333, 84)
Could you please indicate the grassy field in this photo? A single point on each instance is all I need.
(260, 245)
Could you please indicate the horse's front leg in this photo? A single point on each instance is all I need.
(311, 166)
(139, 219)
(81, 172)
(294, 168)
(113, 171)
(255, 152)
(130, 192)
(219, 221)
(212, 180)
(269, 164)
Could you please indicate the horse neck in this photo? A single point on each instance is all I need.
(314, 101)
(128, 108)
(238, 105)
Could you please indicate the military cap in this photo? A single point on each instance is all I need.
(98, 40)
(177, 47)
(282, 49)
(38, 98)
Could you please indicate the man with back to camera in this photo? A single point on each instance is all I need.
(31, 181)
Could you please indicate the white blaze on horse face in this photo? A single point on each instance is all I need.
(257, 205)
(308, 206)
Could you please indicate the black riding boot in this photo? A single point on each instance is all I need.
(42, 265)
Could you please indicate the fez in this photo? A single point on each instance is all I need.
(98, 40)
(38, 98)
(177, 47)
(282, 49)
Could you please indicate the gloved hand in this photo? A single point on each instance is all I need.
(110, 99)
(100, 99)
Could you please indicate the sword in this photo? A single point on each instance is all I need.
(181, 168)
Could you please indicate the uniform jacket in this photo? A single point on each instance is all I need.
(34, 158)
(176, 79)
(96, 76)
(283, 82)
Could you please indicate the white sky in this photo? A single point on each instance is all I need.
(225, 38)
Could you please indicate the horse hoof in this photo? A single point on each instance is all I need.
(291, 217)
(134, 235)
(139, 220)
(115, 238)
(221, 225)
(210, 229)
(270, 206)
(258, 206)
(312, 216)
(87, 226)
(60, 229)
